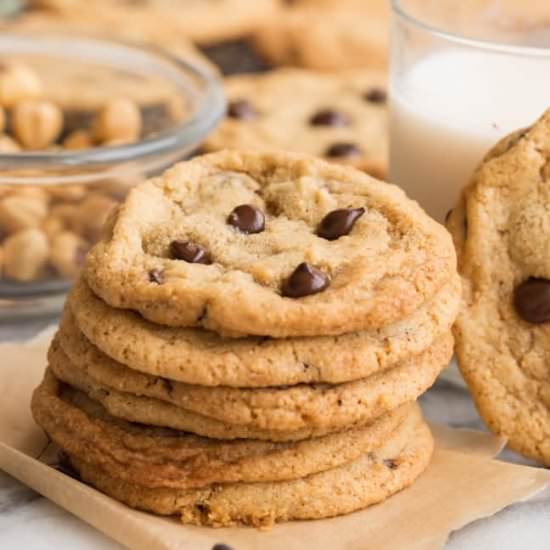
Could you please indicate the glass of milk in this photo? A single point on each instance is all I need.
(464, 73)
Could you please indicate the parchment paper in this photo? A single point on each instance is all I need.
(463, 483)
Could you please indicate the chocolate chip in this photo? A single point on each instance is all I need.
(203, 510)
(341, 150)
(247, 219)
(305, 280)
(221, 547)
(532, 300)
(235, 57)
(376, 95)
(329, 117)
(391, 463)
(189, 252)
(203, 314)
(155, 276)
(241, 109)
(339, 223)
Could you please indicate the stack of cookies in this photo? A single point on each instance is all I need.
(248, 341)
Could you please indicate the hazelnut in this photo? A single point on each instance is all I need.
(26, 255)
(68, 214)
(118, 121)
(67, 193)
(67, 253)
(117, 188)
(33, 191)
(8, 145)
(52, 225)
(37, 123)
(78, 139)
(18, 82)
(92, 213)
(20, 212)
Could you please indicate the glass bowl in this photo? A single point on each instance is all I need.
(53, 202)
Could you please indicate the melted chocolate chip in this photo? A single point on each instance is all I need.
(329, 117)
(342, 150)
(338, 223)
(221, 547)
(391, 463)
(376, 95)
(304, 281)
(247, 219)
(532, 300)
(189, 252)
(155, 276)
(241, 109)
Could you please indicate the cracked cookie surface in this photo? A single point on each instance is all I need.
(501, 230)
(389, 263)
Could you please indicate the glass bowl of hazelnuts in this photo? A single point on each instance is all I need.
(82, 120)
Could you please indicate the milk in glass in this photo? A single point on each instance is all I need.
(449, 109)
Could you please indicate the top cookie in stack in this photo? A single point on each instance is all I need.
(268, 320)
(272, 245)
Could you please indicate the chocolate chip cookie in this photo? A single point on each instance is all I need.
(502, 233)
(203, 21)
(341, 117)
(157, 457)
(53, 22)
(328, 35)
(270, 244)
(201, 357)
(75, 360)
(370, 478)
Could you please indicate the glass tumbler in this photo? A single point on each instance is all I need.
(464, 73)
(53, 202)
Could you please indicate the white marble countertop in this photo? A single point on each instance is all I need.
(29, 521)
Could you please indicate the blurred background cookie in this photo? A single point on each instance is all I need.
(203, 21)
(341, 117)
(328, 35)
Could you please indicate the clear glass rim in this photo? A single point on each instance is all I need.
(487, 45)
(206, 114)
